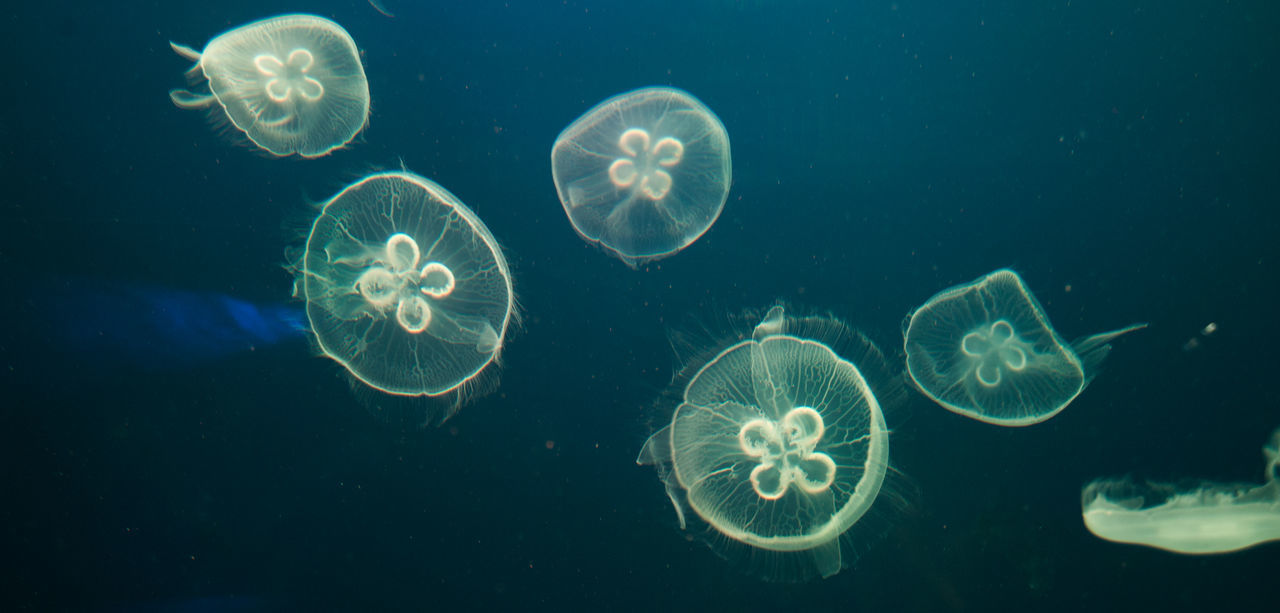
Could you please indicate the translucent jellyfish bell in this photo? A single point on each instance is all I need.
(778, 444)
(986, 350)
(643, 174)
(1210, 518)
(405, 286)
(292, 84)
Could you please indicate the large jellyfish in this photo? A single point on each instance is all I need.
(779, 445)
(986, 350)
(292, 84)
(1208, 518)
(405, 286)
(643, 174)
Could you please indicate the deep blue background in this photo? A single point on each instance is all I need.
(1121, 155)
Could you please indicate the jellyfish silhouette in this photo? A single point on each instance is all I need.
(406, 287)
(986, 350)
(1204, 519)
(643, 174)
(779, 444)
(292, 84)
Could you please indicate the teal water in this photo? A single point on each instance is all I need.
(1121, 158)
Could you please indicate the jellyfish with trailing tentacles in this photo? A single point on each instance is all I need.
(1203, 519)
(406, 287)
(986, 350)
(643, 174)
(779, 445)
(293, 84)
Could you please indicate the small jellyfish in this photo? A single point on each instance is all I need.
(405, 286)
(643, 174)
(986, 350)
(778, 444)
(1209, 518)
(292, 84)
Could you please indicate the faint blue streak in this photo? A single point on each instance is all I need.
(159, 328)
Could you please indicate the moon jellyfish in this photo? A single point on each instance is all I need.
(1209, 518)
(643, 174)
(779, 445)
(292, 84)
(986, 350)
(406, 287)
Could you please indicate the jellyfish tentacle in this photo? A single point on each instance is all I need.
(189, 100)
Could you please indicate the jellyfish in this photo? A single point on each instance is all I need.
(986, 350)
(406, 287)
(643, 174)
(292, 84)
(1209, 518)
(778, 445)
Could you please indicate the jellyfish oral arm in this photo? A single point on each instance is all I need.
(185, 51)
(188, 100)
(182, 98)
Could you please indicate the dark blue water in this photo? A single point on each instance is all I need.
(1121, 156)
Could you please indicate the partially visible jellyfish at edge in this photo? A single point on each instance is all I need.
(986, 350)
(293, 84)
(778, 446)
(407, 289)
(643, 174)
(1206, 519)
